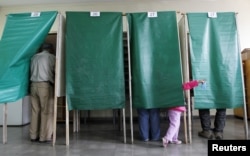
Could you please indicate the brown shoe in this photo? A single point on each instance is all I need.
(206, 134)
(218, 135)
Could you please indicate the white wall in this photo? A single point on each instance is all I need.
(242, 7)
(18, 112)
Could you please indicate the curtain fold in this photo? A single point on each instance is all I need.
(215, 57)
(155, 60)
(94, 61)
(23, 34)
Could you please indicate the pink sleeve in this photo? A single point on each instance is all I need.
(190, 85)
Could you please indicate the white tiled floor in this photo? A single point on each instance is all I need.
(103, 139)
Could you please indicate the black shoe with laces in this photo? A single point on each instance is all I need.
(218, 135)
(206, 134)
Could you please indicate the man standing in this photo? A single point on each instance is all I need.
(149, 124)
(219, 124)
(42, 79)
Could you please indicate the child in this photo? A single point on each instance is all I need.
(174, 115)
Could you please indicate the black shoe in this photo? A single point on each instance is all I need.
(34, 140)
(218, 135)
(45, 141)
(206, 134)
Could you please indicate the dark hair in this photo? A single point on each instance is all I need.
(47, 46)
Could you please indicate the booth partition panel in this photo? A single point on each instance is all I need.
(94, 61)
(215, 57)
(155, 60)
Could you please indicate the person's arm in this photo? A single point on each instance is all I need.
(191, 84)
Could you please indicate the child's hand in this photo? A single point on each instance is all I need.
(201, 81)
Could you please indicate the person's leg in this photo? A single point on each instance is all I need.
(205, 120)
(44, 94)
(173, 128)
(50, 114)
(175, 139)
(154, 120)
(174, 124)
(35, 114)
(219, 123)
(143, 121)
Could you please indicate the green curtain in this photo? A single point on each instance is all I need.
(155, 60)
(22, 36)
(215, 57)
(94, 61)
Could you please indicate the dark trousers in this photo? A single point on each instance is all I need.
(219, 121)
(149, 123)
